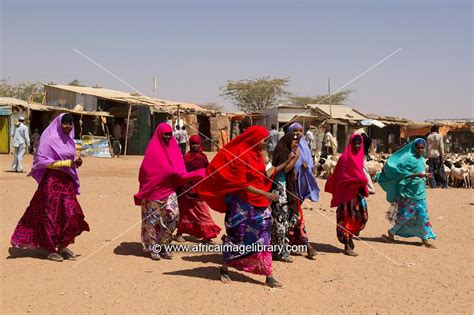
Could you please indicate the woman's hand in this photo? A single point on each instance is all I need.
(271, 197)
(76, 163)
(305, 165)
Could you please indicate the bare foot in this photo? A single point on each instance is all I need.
(272, 282)
(312, 252)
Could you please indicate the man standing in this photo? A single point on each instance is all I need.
(183, 139)
(21, 141)
(35, 137)
(329, 143)
(117, 147)
(435, 158)
(272, 141)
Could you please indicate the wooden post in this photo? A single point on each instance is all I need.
(126, 129)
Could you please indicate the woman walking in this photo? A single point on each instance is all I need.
(194, 216)
(161, 173)
(348, 186)
(54, 217)
(285, 188)
(238, 185)
(305, 188)
(404, 179)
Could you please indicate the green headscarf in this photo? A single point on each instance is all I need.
(394, 177)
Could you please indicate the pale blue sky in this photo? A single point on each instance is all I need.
(193, 47)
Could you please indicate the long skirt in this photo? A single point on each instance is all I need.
(247, 229)
(159, 220)
(351, 218)
(288, 227)
(54, 217)
(280, 222)
(195, 219)
(412, 220)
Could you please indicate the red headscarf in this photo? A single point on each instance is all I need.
(162, 169)
(348, 177)
(238, 165)
(190, 156)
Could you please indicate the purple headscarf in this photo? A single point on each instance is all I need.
(307, 186)
(55, 145)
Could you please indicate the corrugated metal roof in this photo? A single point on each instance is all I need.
(12, 101)
(130, 98)
(389, 120)
(342, 112)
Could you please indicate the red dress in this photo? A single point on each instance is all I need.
(194, 216)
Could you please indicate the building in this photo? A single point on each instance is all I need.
(137, 113)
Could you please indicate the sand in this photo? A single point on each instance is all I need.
(114, 276)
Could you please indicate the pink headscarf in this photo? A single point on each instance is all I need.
(55, 145)
(162, 169)
(348, 177)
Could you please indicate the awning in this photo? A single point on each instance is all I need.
(372, 122)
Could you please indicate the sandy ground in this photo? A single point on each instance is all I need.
(113, 276)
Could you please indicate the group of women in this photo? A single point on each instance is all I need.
(262, 200)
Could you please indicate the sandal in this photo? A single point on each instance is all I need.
(273, 283)
(208, 241)
(286, 259)
(68, 254)
(55, 257)
(179, 238)
(166, 255)
(155, 256)
(387, 239)
(225, 278)
(312, 252)
(350, 252)
(428, 245)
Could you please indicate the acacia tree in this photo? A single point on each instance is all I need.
(254, 95)
(75, 82)
(212, 106)
(21, 91)
(338, 98)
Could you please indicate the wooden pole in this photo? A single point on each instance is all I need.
(329, 94)
(178, 115)
(126, 129)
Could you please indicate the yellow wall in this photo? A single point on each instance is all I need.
(4, 134)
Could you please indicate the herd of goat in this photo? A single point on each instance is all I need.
(459, 168)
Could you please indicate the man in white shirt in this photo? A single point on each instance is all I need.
(329, 143)
(21, 141)
(435, 153)
(183, 139)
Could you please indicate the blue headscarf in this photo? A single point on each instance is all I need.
(394, 177)
(307, 186)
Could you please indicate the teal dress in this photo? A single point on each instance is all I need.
(407, 193)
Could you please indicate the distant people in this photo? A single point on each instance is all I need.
(35, 138)
(435, 159)
(329, 143)
(183, 139)
(162, 171)
(404, 179)
(391, 142)
(348, 186)
(21, 141)
(272, 140)
(176, 133)
(117, 146)
(194, 216)
(311, 140)
(223, 138)
(54, 217)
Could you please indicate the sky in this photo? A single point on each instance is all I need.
(194, 47)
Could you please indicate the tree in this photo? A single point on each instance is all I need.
(338, 98)
(212, 106)
(75, 82)
(254, 95)
(21, 91)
